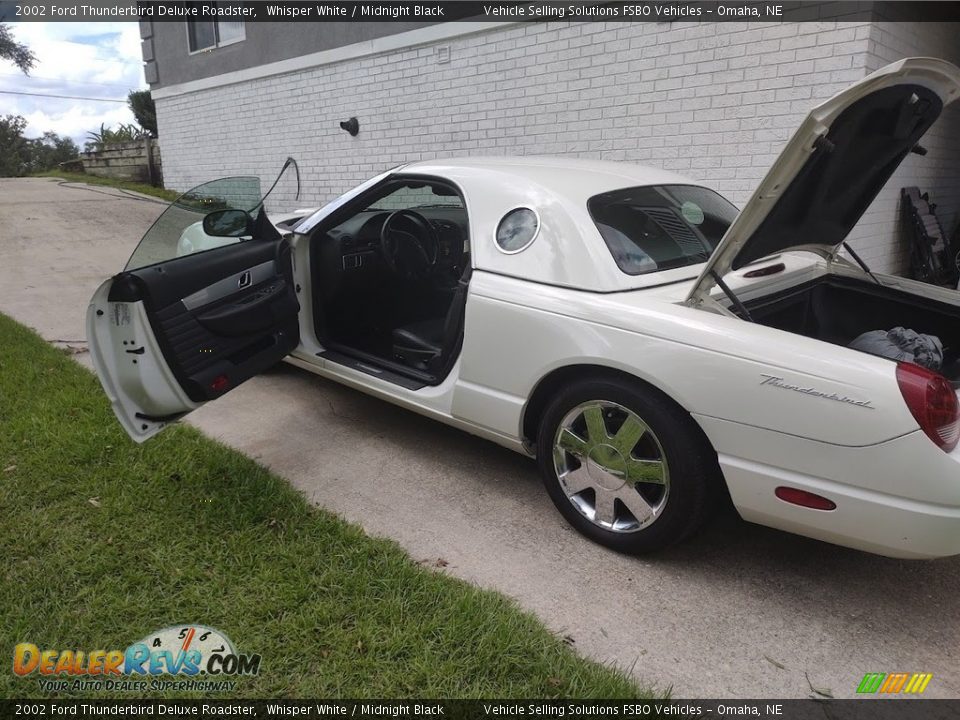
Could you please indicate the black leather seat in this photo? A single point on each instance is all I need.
(424, 335)
(427, 344)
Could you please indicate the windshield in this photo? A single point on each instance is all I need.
(178, 232)
(661, 227)
(416, 194)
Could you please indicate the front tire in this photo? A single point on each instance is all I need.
(625, 465)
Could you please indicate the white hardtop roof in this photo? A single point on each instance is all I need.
(568, 250)
(577, 178)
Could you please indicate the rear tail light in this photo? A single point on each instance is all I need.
(932, 402)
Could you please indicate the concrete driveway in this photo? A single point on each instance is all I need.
(740, 611)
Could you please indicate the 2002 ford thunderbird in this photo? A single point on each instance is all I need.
(652, 347)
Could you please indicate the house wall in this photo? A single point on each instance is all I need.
(937, 172)
(165, 45)
(714, 101)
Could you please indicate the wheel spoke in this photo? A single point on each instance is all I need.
(648, 471)
(629, 434)
(596, 467)
(576, 481)
(605, 506)
(635, 503)
(596, 428)
(572, 443)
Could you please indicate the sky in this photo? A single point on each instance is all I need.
(94, 60)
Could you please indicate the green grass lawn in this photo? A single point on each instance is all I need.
(104, 541)
(142, 188)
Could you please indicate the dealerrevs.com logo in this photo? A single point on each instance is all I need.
(179, 657)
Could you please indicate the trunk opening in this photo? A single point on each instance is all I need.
(837, 310)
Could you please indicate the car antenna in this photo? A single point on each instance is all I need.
(296, 168)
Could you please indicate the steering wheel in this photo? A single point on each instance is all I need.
(410, 244)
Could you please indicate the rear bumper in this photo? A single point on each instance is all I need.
(865, 520)
(900, 498)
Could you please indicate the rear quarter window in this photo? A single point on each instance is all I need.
(661, 227)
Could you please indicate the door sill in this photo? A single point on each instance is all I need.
(377, 367)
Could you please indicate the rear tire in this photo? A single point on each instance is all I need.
(625, 465)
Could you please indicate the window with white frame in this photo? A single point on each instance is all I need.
(209, 34)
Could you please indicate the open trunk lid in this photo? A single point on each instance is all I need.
(834, 166)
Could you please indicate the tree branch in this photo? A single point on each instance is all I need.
(17, 53)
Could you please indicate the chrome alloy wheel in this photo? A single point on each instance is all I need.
(611, 466)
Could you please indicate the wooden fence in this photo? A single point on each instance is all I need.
(138, 161)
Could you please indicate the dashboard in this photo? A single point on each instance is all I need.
(358, 238)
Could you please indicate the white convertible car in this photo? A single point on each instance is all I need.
(652, 347)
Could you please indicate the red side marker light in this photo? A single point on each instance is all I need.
(219, 383)
(804, 498)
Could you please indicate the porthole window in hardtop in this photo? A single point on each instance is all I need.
(661, 227)
(517, 230)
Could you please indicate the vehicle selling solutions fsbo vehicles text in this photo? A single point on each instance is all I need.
(639, 10)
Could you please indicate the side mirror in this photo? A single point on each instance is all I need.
(228, 223)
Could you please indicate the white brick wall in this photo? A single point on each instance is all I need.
(937, 172)
(713, 101)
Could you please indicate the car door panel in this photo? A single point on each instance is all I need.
(252, 312)
(190, 276)
(171, 336)
(207, 301)
(220, 317)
